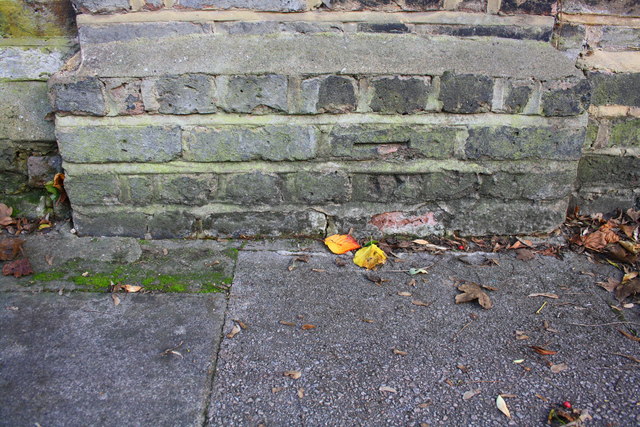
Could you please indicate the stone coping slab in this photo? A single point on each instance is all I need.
(295, 54)
(80, 360)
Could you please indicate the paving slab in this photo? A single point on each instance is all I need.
(347, 358)
(80, 360)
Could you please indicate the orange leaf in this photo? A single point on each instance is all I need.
(542, 351)
(307, 327)
(599, 239)
(341, 243)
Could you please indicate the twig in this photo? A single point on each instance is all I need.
(541, 307)
(462, 329)
(605, 324)
(635, 359)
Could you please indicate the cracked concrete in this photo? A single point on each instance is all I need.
(76, 358)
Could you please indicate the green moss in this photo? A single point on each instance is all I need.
(48, 276)
(231, 253)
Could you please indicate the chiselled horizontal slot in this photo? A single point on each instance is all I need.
(377, 144)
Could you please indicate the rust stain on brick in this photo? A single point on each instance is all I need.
(389, 222)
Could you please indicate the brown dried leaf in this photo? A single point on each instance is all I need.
(628, 335)
(618, 252)
(599, 239)
(525, 254)
(399, 352)
(628, 230)
(470, 394)
(611, 284)
(132, 288)
(10, 248)
(559, 368)
(284, 322)
(367, 320)
(293, 374)
(388, 389)
(17, 268)
(303, 258)
(543, 351)
(420, 303)
(241, 324)
(48, 259)
(626, 289)
(411, 282)
(116, 299)
(318, 270)
(404, 294)
(5, 215)
(275, 390)
(300, 393)
(234, 331)
(340, 262)
(307, 327)
(520, 335)
(472, 292)
(542, 294)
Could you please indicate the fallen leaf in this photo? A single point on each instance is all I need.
(48, 259)
(471, 292)
(372, 277)
(412, 282)
(611, 284)
(388, 389)
(116, 299)
(628, 335)
(341, 243)
(599, 239)
(17, 268)
(5, 215)
(275, 390)
(369, 257)
(420, 242)
(518, 361)
(10, 248)
(399, 352)
(284, 322)
(293, 374)
(318, 270)
(542, 351)
(470, 394)
(628, 305)
(559, 368)
(520, 335)
(546, 295)
(635, 359)
(234, 331)
(508, 395)
(541, 397)
(85, 274)
(618, 252)
(404, 294)
(131, 288)
(414, 271)
(502, 406)
(424, 404)
(241, 324)
(634, 248)
(627, 289)
(525, 255)
(420, 303)
(307, 327)
(525, 242)
(367, 320)
(300, 393)
(340, 262)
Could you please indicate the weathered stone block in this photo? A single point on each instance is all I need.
(235, 143)
(566, 98)
(602, 7)
(92, 189)
(502, 31)
(12, 183)
(124, 96)
(186, 94)
(512, 96)
(102, 144)
(270, 223)
(140, 189)
(534, 186)
(253, 94)
(569, 36)
(24, 112)
(42, 169)
(23, 63)
(264, 5)
(329, 94)
(265, 27)
(625, 132)
(605, 199)
(48, 18)
(129, 31)
(80, 97)
(253, 188)
(314, 187)
(465, 93)
(490, 216)
(510, 143)
(171, 224)
(620, 38)
(400, 95)
(412, 188)
(187, 189)
(112, 223)
(620, 89)
(609, 170)
(372, 141)
(535, 7)
(311, 27)
(101, 6)
(393, 28)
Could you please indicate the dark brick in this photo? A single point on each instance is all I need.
(609, 170)
(465, 93)
(187, 189)
(193, 93)
(314, 187)
(625, 132)
(566, 98)
(336, 95)
(603, 7)
(401, 95)
(141, 189)
(101, 6)
(270, 223)
(569, 36)
(93, 189)
(516, 99)
(253, 188)
(510, 143)
(534, 7)
(42, 169)
(171, 224)
(250, 94)
(124, 96)
(412, 188)
(80, 97)
(534, 186)
(395, 28)
(106, 223)
(620, 89)
(502, 31)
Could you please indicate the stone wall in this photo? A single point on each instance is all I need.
(37, 37)
(283, 117)
(604, 37)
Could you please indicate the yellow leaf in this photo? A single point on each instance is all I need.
(341, 243)
(369, 257)
(502, 406)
